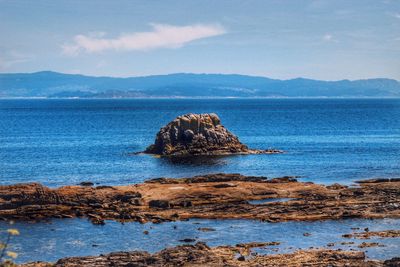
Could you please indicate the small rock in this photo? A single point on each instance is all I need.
(187, 240)
(86, 183)
(241, 258)
(206, 229)
(97, 221)
(370, 244)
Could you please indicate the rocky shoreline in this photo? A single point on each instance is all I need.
(240, 255)
(215, 196)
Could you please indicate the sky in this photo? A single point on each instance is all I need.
(282, 39)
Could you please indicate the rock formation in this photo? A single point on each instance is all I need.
(214, 196)
(200, 254)
(198, 134)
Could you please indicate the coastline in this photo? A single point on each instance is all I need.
(200, 254)
(214, 196)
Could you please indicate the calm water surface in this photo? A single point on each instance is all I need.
(58, 142)
(78, 237)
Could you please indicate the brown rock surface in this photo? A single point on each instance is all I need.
(368, 235)
(202, 255)
(166, 199)
(198, 134)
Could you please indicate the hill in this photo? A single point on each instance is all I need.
(53, 84)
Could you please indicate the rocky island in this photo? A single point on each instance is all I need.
(199, 134)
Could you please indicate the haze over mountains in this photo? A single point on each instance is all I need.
(53, 85)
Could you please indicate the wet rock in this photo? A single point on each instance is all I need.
(162, 204)
(257, 244)
(241, 258)
(369, 244)
(336, 186)
(97, 221)
(168, 199)
(198, 134)
(206, 229)
(394, 262)
(187, 240)
(378, 180)
(210, 178)
(368, 234)
(200, 254)
(86, 183)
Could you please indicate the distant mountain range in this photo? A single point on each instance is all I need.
(59, 85)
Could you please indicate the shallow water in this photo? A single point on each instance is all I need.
(268, 200)
(78, 237)
(58, 142)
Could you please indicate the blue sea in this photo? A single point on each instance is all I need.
(59, 142)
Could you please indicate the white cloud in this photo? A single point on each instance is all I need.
(10, 58)
(327, 37)
(162, 36)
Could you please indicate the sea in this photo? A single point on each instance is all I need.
(60, 142)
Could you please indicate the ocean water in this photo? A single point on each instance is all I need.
(49, 241)
(59, 142)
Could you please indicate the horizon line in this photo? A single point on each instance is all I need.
(195, 73)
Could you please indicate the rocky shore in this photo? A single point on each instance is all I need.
(199, 134)
(216, 196)
(202, 255)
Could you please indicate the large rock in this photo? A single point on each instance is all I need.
(198, 134)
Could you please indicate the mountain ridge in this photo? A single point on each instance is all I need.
(55, 84)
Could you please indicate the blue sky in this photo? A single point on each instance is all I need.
(320, 39)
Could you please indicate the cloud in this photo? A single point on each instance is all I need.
(10, 58)
(161, 36)
(397, 15)
(327, 37)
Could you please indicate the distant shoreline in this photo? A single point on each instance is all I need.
(185, 85)
(187, 98)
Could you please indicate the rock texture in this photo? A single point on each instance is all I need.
(214, 196)
(380, 234)
(228, 256)
(198, 134)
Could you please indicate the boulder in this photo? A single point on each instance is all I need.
(198, 134)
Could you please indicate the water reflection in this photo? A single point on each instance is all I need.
(197, 160)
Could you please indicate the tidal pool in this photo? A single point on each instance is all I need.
(269, 200)
(54, 239)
